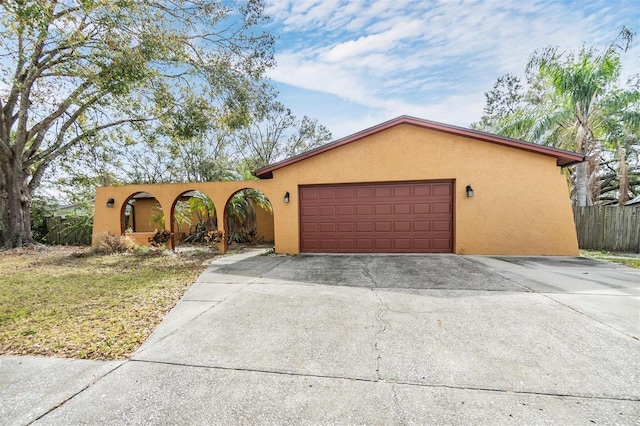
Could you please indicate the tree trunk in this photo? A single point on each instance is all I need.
(15, 205)
(623, 176)
(582, 184)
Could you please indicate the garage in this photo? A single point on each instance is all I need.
(388, 217)
(400, 187)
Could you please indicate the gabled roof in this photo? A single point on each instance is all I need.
(564, 158)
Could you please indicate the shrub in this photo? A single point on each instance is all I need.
(213, 238)
(160, 238)
(109, 243)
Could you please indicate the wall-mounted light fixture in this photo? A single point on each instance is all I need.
(110, 203)
(286, 197)
(469, 191)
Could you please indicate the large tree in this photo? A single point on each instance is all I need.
(71, 69)
(572, 101)
(275, 133)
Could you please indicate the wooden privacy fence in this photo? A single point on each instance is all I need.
(613, 228)
(59, 231)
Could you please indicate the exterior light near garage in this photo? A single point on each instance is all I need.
(110, 203)
(286, 197)
(469, 191)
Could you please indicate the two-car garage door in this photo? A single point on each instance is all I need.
(395, 217)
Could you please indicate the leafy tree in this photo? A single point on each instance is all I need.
(620, 170)
(72, 70)
(572, 101)
(41, 208)
(276, 134)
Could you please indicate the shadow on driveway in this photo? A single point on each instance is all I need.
(434, 272)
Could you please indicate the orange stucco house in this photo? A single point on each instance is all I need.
(404, 186)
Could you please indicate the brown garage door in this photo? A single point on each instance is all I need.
(399, 217)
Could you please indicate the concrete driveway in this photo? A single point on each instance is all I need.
(357, 339)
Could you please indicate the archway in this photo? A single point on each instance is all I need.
(193, 218)
(248, 217)
(141, 215)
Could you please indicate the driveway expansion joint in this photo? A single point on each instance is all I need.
(93, 382)
(214, 303)
(396, 382)
(577, 311)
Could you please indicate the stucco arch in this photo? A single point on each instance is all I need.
(109, 219)
(264, 217)
(179, 197)
(139, 226)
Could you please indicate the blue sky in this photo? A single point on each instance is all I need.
(352, 64)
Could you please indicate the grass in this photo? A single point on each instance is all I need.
(70, 302)
(630, 260)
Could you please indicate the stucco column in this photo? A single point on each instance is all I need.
(222, 248)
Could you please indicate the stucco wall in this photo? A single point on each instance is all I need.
(142, 213)
(109, 219)
(521, 203)
(264, 220)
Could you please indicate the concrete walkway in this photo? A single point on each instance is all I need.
(437, 339)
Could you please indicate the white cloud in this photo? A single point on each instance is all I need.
(353, 49)
(430, 59)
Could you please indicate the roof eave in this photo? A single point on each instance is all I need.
(564, 158)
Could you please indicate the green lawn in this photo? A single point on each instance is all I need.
(69, 302)
(621, 258)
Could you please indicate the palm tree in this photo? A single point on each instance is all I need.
(241, 209)
(573, 104)
(622, 127)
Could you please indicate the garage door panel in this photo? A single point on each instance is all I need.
(346, 244)
(404, 226)
(345, 227)
(364, 227)
(441, 225)
(364, 210)
(326, 211)
(308, 194)
(309, 211)
(422, 226)
(441, 189)
(345, 193)
(344, 210)
(364, 192)
(444, 208)
(327, 244)
(422, 190)
(383, 192)
(404, 208)
(385, 217)
(383, 209)
(309, 228)
(402, 243)
(309, 245)
(402, 191)
(422, 243)
(383, 226)
(364, 243)
(441, 243)
(383, 244)
(421, 208)
(327, 227)
(326, 193)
